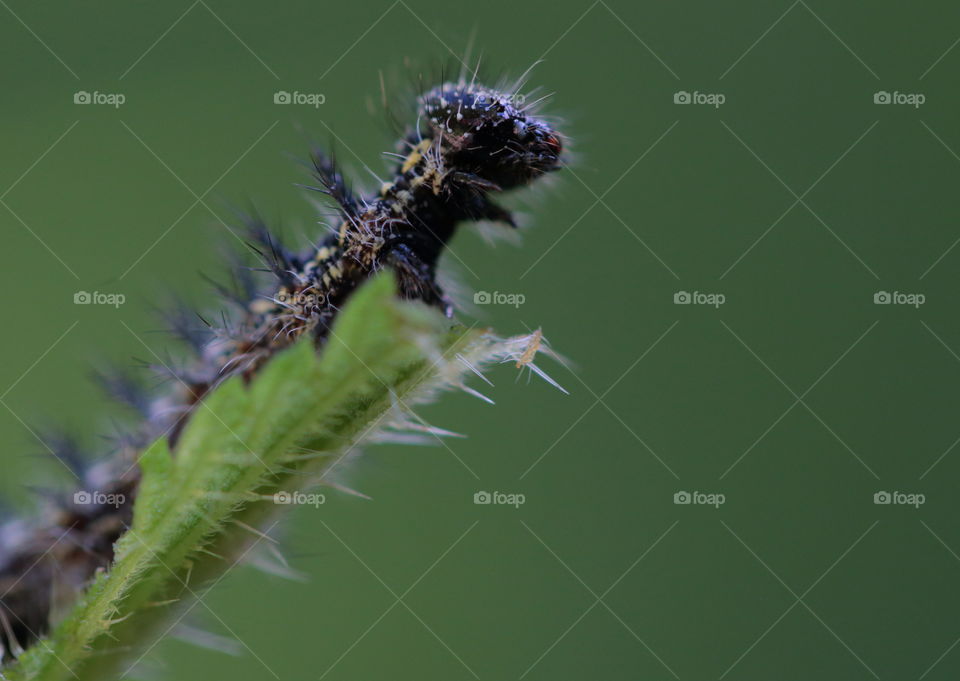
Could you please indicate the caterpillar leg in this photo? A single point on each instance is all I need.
(416, 278)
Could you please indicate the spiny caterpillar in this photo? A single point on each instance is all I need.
(469, 143)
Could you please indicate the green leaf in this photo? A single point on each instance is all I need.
(241, 445)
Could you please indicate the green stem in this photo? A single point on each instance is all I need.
(196, 507)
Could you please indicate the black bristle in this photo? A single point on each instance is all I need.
(168, 369)
(121, 438)
(229, 292)
(123, 386)
(332, 183)
(241, 287)
(277, 259)
(64, 446)
(181, 320)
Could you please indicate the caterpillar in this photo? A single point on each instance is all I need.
(469, 143)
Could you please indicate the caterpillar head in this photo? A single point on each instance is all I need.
(489, 134)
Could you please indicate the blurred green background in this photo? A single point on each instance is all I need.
(797, 199)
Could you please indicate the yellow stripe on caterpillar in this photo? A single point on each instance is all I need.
(416, 155)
